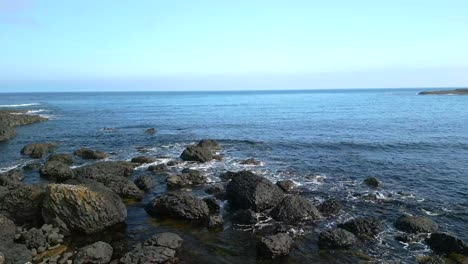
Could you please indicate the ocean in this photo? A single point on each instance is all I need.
(327, 141)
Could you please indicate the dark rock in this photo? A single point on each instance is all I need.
(215, 221)
(447, 244)
(188, 177)
(34, 238)
(6, 132)
(158, 168)
(212, 204)
(161, 248)
(372, 182)
(227, 176)
(431, 260)
(82, 209)
(274, 246)
(218, 190)
(209, 144)
(33, 166)
(22, 204)
(245, 217)
(366, 227)
(416, 224)
(7, 230)
(250, 161)
(57, 170)
(9, 119)
(143, 160)
(97, 253)
(179, 205)
(150, 130)
(63, 158)
(169, 240)
(11, 178)
(249, 191)
(202, 152)
(286, 185)
(16, 253)
(172, 163)
(145, 182)
(330, 207)
(336, 239)
(295, 208)
(38, 150)
(86, 153)
(445, 92)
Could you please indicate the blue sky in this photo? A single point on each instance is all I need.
(241, 44)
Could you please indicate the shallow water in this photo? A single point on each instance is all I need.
(327, 141)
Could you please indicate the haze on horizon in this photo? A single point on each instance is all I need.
(229, 45)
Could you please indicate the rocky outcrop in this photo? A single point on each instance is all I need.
(295, 208)
(447, 244)
(186, 178)
(336, 238)
(143, 160)
(82, 209)
(274, 246)
(38, 150)
(23, 203)
(97, 253)
(372, 182)
(286, 185)
(161, 248)
(57, 170)
(365, 227)
(145, 182)
(11, 178)
(249, 191)
(6, 132)
(201, 152)
(86, 153)
(62, 158)
(180, 205)
(415, 224)
(330, 207)
(10, 119)
(445, 92)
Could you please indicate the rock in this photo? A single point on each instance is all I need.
(86, 153)
(2, 257)
(11, 178)
(6, 132)
(7, 230)
(82, 209)
(34, 238)
(32, 166)
(336, 238)
(63, 158)
(158, 168)
(212, 204)
(250, 161)
(161, 248)
(286, 185)
(202, 152)
(430, 260)
(99, 252)
(22, 204)
(188, 177)
(215, 221)
(372, 182)
(38, 150)
(145, 182)
(210, 144)
(274, 246)
(16, 253)
(446, 92)
(330, 207)
(9, 119)
(179, 205)
(447, 244)
(366, 227)
(227, 176)
(57, 170)
(143, 160)
(172, 163)
(295, 208)
(249, 191)
(415, 224)
(218, 190)
(150, 130)
(245, 217)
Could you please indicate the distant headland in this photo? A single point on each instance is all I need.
(463, 91)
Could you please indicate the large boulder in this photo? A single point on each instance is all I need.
(97, 253)
(38, 150)
(447, 244)
(161, 248)
(56, 170)
(295, 208)
(274, 246)
(336, 238)
(416, 224)
(186, 178)
(366, 227)
(179, 205)
(86, 153)
(249, 191)
(201, 152)
(23, 203)
(82, 209)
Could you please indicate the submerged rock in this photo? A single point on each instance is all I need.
(160, 168)
(218, 190)
(145, 182)
(330, 207)
(447, 244)
(336, 238)
(188, 177)
(150, 130)
(372, 182)
(202, 152)
(295, 208)
(245, 217)
(212, 204)
(82, 209)
(274, 246)
(249, 191)
(86, 153)
(38, 150)
(161, 248)
(366, 227)
(97, 253)
(179, 205)
(286, 185)
(250, 161)
(415, 224)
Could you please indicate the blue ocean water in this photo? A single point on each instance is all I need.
(328, 141)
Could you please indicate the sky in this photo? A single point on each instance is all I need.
(242, 44)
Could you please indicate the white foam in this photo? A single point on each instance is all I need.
(6, 169)
(429, 212)
(20, 105)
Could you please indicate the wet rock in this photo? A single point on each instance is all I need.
(82, 209)
(202, 152)
(11, 178)
(143, 160)
(38, 150)
(86, 153)
(22, 204)
(249, 191)
(330, 207)
(245, 217)
(336, 238)
(210, 144)
(295, 208)
(274, 246)
(6, 131)
(410, 238)
(161, 248)
(447, 244)
(218, 190)
(187, 178)
(9, 119)
(57, 170)
(7, 230)
(372, 182)
(227, 176)
(366, 227)
(179, 205)
(150, 130)
(160, 168)
(172, 163)
(215, 221)
(97, 253)
(212, 204)
(169, 240)
(63, 158)
(34, 238)
(286, 185)
(250, 161)
(430, 260)
(145, 182)
(415, 224)
(33, 166)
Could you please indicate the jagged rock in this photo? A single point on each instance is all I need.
(366, 227)
(179, 205)
(82, 209)
(145, 182)
(143, 160)
(286, 185)
(34, 238)
(249, 191)
(416, 224)
(97, 253)
(274, 246)
(161, 248)
(57, 170)
(63, 158)
(188, 177)
(295, 208)
(38, 150)
(330, 207)
(86, 153)
(336, 239)
(430, 260)
(372, 182)
(202, 152)
(22, 204)
(447, 244)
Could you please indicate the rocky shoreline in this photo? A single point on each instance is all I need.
(9, 119)
(40, 222)
(446, 92)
